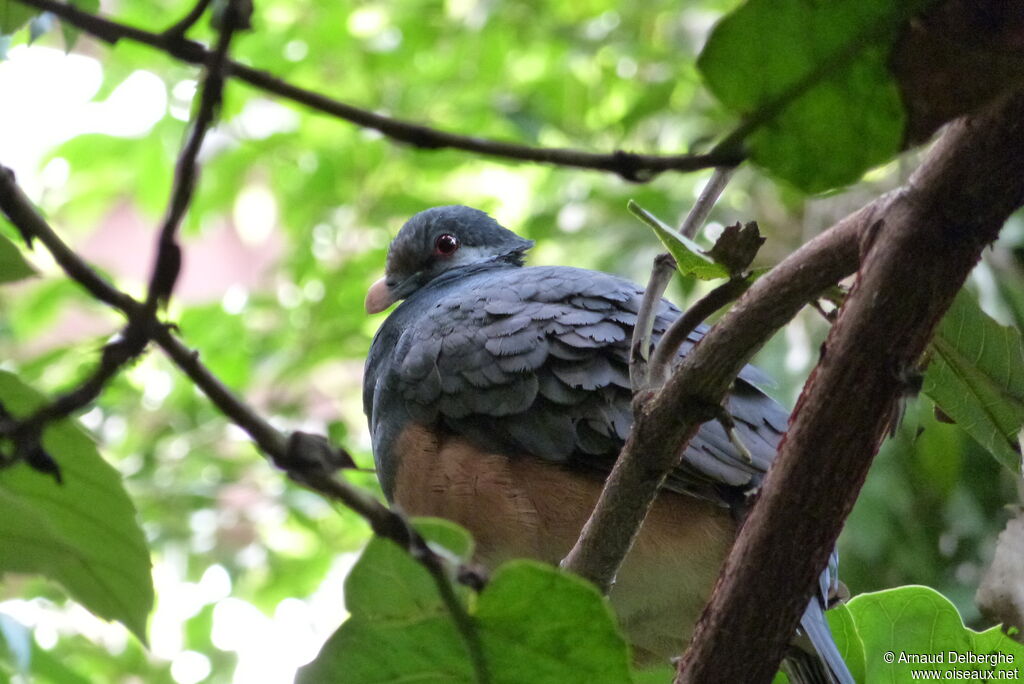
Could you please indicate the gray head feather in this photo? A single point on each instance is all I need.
(413, 260)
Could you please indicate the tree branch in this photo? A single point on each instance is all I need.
(668, 346)
(706, 201)
(664, 267)
(662, 270)
(309, 460)
(181, 27)
(26, 432)
(167, 262)
(628, 165)
(915, 259)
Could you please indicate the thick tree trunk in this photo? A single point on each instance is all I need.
(914, 259)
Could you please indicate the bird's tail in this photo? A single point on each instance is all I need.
(819, 661)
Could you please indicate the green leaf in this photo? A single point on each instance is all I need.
(426, 649)
(14, 15)
(663, 674)
(541, 625)
(387, 583)
(690, 258)
(908, 624)
(91, 6)
(976, 376)
(535, 624)
(399, 629)
(12, 263)
(83, 533)
(848, 641)
(812, 83)
(70, 34)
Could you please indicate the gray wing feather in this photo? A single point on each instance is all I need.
(535, 360)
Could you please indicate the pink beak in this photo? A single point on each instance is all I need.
(378, 297)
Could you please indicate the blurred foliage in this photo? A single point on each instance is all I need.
(794, 67)
(78, 526)
(291, 219)
(12, 264)
(976, 375)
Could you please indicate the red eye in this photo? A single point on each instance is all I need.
(446, 245)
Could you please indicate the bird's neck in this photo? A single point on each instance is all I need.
(503, 261)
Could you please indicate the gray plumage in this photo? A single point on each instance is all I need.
(533, 362)
(470, 347)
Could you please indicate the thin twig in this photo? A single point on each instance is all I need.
(640, 346)
(389, 524)
(167, 263)
(706, 201)
(304, 462)
(628, 165)
(20, 212)
(640, 373)
(27, 432)
(829, 316)
(667, 350)
(181, 27)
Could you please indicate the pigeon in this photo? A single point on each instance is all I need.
(498, 397)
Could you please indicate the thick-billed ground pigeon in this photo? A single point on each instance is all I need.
(498, 396)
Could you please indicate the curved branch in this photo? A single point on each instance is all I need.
(667, 350)
(167, 262)
(132, 341)
(628, 165)
(181, 27)
(662, 270)
(701, 209)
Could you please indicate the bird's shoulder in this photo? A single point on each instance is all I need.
(535, 361)
(531, 359)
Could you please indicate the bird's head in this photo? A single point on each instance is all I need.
(439, 240)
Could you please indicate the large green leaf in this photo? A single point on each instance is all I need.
(902, 627)
(812, 83)
(83, 533)
(386, 583)
(399, 629)
(12, 264)
(844, 632)
(534, 623)
(663, 674)
(542, 625)
(14, 15)
(976, 376)
(426, 648)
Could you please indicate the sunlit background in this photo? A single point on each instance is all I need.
(289, 226)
